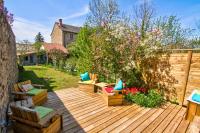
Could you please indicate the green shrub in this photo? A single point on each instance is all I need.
(151, 99)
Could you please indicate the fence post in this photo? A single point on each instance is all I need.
(187, 71)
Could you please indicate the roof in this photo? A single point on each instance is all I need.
(70, 28)
(67, 28)
(25, 49)
(50, 46)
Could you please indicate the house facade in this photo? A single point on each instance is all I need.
(63, 34)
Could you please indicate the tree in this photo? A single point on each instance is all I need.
(82, 49)
(143, 18)
(23, 49)
(173, 35)
(102, 12)
(57, 57)
(39, 38)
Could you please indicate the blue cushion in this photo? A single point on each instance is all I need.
(196, 97)
(119, 85)
(85, 76)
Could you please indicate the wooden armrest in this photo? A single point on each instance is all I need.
(34, 124)
(18, 93)
(37, 85)
(110, 85)
(116, 90)
(44, 122)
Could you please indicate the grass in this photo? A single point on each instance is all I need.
(49, 77)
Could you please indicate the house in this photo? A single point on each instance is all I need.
(27, 55)
(63, 34)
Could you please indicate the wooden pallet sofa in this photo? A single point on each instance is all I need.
(29, 119)
(88, 86)
(111, 96)
(38, 95)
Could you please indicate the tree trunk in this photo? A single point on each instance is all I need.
(47, 60)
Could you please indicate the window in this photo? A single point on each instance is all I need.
(26, 58)
(71, 36)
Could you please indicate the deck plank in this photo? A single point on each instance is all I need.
(158, 120)
(87, 112)
(176, 121)
(182, 128)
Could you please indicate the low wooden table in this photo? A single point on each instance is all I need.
(193, 108)
(98, 87)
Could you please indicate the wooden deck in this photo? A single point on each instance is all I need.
(87, 112)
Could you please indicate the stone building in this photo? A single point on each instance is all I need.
(63, 34)
(27, 55)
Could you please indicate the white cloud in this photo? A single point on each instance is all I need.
(80, 13)
(26, 29)
(83, 12)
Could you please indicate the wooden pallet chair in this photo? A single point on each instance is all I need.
(38, 95)
(111, 96)
(38, 119)
(88, 86)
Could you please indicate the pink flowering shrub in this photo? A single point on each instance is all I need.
(5, 12)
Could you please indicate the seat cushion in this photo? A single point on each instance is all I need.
(42, 111)
(196, 97)
(85, 76)
(87, 82)
(109, 89)
(35, 91)
(27, 87)
(119, 85)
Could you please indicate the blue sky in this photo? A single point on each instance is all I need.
(33, 16)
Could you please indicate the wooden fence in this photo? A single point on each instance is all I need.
(185, 69)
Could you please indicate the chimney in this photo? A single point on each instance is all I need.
(60, 22)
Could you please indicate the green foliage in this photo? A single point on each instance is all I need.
(151, 99)
(58, 57)
(81, 50)
(173, 35)
(114, 48)
(37, 46)
(70, 66)
(133, 78)
(39, 38)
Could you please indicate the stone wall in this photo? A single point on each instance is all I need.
(8, 66)
(68, 39)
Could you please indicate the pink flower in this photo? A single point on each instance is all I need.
(9, 16)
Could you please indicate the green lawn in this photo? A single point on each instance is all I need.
(51, 78)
